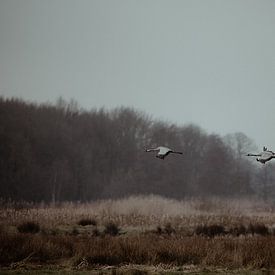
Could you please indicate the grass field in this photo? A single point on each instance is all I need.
(138, 235)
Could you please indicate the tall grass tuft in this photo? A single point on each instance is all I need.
(87, 221)
(210, 230)
(238, 230)
(259, 229)
(111, 229)
(28, 227)
(168, 229)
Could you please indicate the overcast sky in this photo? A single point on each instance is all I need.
(208, 62)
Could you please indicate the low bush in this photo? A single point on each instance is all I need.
(158, 230)
(111, 229)
(238, 230)
(28, 227)
(74, 231)
(210, 230)
(95, 232)
(258, 228)
(168, 229)
(84, 222)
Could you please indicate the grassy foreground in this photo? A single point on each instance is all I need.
(138, 234)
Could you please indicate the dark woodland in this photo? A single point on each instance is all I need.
(60, 152)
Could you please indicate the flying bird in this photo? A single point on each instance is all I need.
(162, 151)
(264, 156)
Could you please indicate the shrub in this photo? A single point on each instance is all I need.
(85, 222)
(74, 232)
(210, 230)
(168, 229)
(111, 229)
(95, 232)
(260, 229)
(238, 230)
(159, 230)
(28, 227)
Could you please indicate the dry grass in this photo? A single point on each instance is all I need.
(151, 231)
(145, 212)
(256, 252)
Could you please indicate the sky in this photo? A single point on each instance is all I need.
(207, 62)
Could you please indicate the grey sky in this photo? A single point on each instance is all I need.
(209, 62)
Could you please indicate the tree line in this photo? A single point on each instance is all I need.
(58, 152)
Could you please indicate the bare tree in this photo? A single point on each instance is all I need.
(62, 152)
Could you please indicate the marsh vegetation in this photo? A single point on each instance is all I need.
(143, 231)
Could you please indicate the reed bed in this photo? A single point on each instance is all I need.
(145, 230)
(144, 211)
(245, 252)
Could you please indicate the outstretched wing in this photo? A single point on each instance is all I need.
(253, 155)
(176, 152)
(152, 150)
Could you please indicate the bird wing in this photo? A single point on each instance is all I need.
(177, 152)
(254, 155)
(152, 149)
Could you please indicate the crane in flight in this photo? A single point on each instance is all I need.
(264, 156)
(162, 151)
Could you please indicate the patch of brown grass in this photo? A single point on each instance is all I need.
(149, 249)
(143, 213)
(230, 233)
